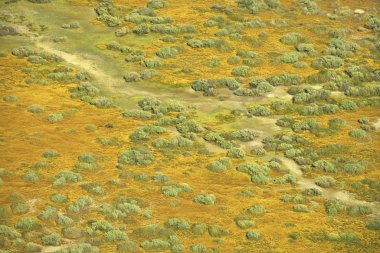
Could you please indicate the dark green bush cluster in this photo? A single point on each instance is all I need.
(144, 133)
(218, 139)
(107, 13)
(177, 224)
(335, 206)
(342, 48)
(86, 162)
(18, 203)
(174, 190)
(205, 199)
(310, 95)
(315, 109)
(260, 110)
(325, 181)
(359, 209)
(258, 173)
(295, 199)
(244, 135)
(236, 153)
(81, 204)
(284, 80)
(242, 71)
(229, 82)
(189, 126)
(64, 177)
(143, 75)
(292, 38)
(373, 23)
(174, 142)
(221, 45)
(167, 52)
(219, 165)
(204, 85)
(363, 91)
(254, 6)
(328, 62)
(306, 48)
(135, 156)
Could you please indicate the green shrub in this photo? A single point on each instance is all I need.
(244, 135)
(259, 151)
(132, 77)
(72, 232)
(219, 165)
(257, 210)
(359, 210)
(115, 235)
(9, 232)
(175, 190)
(260, 110)
(205, 199)
(81, 248)
(325, 181)
(358, 133)
(217, 231)
(30, 247)
(334, 206)
(58, 198)
(352, 168)
(236, 153)
(138, 114)
(49, 212)
(292, 38)
(167, 52)
(325, 166)
(233, 60)
(189, 126)
(30, 176)
(328, 61)
(27, 224)
(52, 239)
(244, 222)
(229, 82)
(156, 244)
(306, 48)
(101, 102)
(372, 225)
(198, 248)
(284, 80)
(174, 142)
(177, 224)
(373, 23)
(35, 109)
(199, 228)
(22, 52)
(151, 63)
(135, 156)
(258, 173)
(292, 57)
(243, 71)
(81, 204)
(177, 248)
(301, 208)
(261, 85)
(54, 117)
(253, 235)
(342, 48)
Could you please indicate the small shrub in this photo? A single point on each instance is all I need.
(205, 199)
(324, 165)
(30, 176)
(260, 110)
(115, 235)
(135, 156)
(58, 198)
(167, 52)
(292, 38)
(328, 61)
(301, 208)
(244, 135)
(325, 181)
(353, 168)
(128, 246)
(217, 231)
(198, 248)
(51, 240)
(177, 224)
(284, 80)
(72, 232)
(236, 153)
(156, 244)
(35, 109)
(253, 235)
(55, 117)
(244, 222)
(220, 165)
(334, 206)
(372, 225)
(257, 210)
(359, 210)
(9, 232)
(243, 71)
(27, 224)
(199, 228)
(358, 133)
(81, 204)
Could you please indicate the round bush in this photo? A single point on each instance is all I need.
(253, 235)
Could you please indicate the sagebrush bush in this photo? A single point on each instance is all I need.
(242, 71)
(301, 208)
(219, 165)
(81, 204)
(199, 228)
(53, 239)
(205, 199)
(9, 232)
(325, 181)
(135, 156)
(335, 206)
(54, 117)
(324, 165)
(177, 224)
(72, 232)
(260, 110)
(257, 210)
(284, 80)
(328, 61)
(155, 244)
(359, 209)
(358, 133)
(27, 224)
(374, 224)
(253, 235)
(198, 248)
(167, 52)
(244, 135)
(35, 109)
(244, 222)
(292, 38)
(115, 235)
(58, 198)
